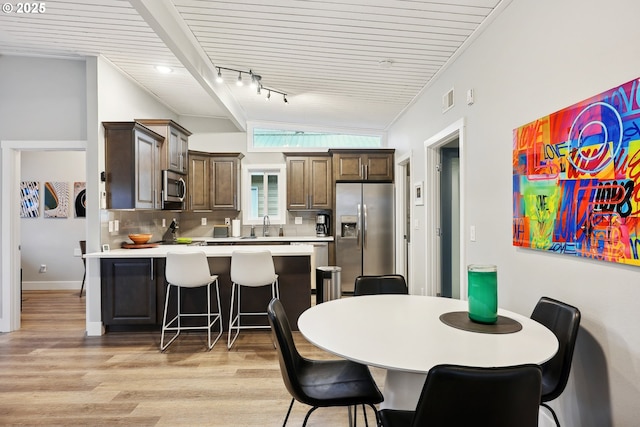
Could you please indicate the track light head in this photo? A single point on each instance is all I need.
(258, 89)
(219, 78)
(284, 98)
(239, 82)
(269, 96)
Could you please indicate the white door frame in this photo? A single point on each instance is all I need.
(432, 206)
(10, 262)
(401, 191)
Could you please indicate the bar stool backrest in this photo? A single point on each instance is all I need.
(252, 268)
(187, 269)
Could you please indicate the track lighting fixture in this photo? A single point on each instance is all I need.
(256, 82)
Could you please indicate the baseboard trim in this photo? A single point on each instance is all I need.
(51, 286)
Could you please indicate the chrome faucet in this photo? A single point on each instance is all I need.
(265, 225)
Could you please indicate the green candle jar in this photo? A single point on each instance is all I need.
(483, 293)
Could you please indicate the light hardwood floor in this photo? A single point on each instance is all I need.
(52, 374)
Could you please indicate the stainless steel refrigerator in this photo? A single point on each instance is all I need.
(364, 228)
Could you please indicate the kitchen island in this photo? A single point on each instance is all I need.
(132, 285)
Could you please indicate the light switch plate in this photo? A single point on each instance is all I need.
(298, 220)
(116, 225)
(110, 226)
(472, 233)
(203, 221)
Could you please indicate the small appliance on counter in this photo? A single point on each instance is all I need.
(220, 231)
(323, 224)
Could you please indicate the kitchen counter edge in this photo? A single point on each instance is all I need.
(210, 251)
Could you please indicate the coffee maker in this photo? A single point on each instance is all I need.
(323, 224)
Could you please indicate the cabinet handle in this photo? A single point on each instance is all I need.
(151, 261)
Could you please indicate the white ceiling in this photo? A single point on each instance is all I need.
(324, 54)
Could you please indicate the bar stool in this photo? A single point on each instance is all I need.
(189, 270)
(250, 269)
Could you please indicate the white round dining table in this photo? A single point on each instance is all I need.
(404, 335)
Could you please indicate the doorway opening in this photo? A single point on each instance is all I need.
(404, 213)
(10, 262)
(444, 211)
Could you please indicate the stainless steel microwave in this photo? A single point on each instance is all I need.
(174, 189)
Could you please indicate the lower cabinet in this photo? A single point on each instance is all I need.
(134, 290)
(131, 290)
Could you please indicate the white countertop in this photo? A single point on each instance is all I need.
(211, 251)
(223, 240)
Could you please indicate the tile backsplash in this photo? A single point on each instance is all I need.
(189, 224)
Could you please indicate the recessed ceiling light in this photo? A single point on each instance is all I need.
(163, 69)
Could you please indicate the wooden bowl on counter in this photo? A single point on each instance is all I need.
(140, 239)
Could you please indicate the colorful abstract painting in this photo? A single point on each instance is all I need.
(576, 179)
(29, 199)
(56, 200)
(80, 199)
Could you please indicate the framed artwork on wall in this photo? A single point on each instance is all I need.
(29, 199)
(79, 199)
(576, 179)
(56, 199)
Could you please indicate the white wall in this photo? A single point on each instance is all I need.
(536, 58)
(41, 99)
(52, 241)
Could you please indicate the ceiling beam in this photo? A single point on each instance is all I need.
(166, 22)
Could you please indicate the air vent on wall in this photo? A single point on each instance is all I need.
(447, 101)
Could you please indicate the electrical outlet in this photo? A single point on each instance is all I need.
(472, 233)
(203, 221)
(298, 220)
(227, 221)
(43, 268)
(110, 226)
(164, 222)
(116, 225)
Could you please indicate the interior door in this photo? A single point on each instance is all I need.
(450, 222)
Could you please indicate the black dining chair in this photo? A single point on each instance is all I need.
(380, 284)
(319, 383)
(564, 321)
(470, 396)
(83, 251)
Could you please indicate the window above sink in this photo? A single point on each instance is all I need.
(263, 193)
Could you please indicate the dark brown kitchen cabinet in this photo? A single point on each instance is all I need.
(225, 171)
(199, 184)
(309, 182)
(175, 152)
(363, 165)
(132, 290)
(132, 166)
(214, 181)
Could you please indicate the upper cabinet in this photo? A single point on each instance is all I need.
(132, 163)
(309, 182)
(225, 171)
(214, 181)
(174, 153)
(199, 183)
(363, 165)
